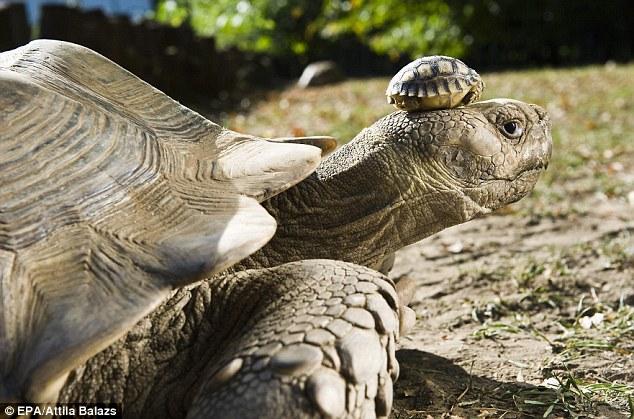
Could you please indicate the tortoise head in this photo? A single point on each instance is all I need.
(493, 152)
(407, 176)
(431, 170)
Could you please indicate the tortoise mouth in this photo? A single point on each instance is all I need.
(503, 192)
(532, 171)
(540, 166)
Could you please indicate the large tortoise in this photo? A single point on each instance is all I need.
(123, 215)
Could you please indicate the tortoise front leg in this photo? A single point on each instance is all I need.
(308, 338)
(321, 343)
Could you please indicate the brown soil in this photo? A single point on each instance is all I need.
(484, 272)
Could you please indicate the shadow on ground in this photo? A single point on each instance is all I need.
(431, 386)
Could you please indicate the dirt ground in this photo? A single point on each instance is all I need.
(528, 312)
(499, 304)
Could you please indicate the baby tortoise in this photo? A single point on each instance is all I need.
(435, 82)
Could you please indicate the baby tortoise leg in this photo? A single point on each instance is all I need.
(321, 345)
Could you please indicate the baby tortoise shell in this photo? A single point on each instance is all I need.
(435, 82)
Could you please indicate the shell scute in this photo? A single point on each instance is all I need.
(435, 82)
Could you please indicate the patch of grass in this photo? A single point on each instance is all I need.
(492, 330)
(594, 330)
(572, 396)
(591, 108)
(550, 300)
(619, 251)
(561, 396)
(610, 392)
(499, 274)
(528, 273)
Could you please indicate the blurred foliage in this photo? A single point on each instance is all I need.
(274, 26)
(486, 33)
(395, 26)
(303, 26)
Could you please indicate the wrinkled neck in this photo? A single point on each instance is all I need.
(357, 207)
(329, 219)
(409, 175)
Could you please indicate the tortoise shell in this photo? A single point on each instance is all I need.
(112, 196)
(435, 82)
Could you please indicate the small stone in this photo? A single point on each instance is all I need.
(455, 247)
(520, 377)
(327, 390)
(320, 73)
(319, 337)
(296, 359)
(597, 319)
(551, 382)
(339, 327)
(359, 317)
(361, 354)
(585, 322)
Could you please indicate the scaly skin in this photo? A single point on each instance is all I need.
(406, 177)
(267, 342)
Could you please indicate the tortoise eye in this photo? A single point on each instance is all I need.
(512, 129)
